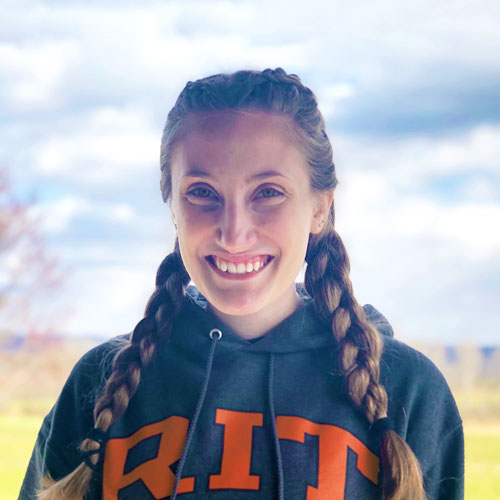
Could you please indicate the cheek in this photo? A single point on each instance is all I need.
(193, 216)
(194, 227)
(290, 231)
(291, 221)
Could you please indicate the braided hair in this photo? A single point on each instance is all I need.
(161, 310)
(326, 279)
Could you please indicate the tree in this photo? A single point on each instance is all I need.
(29, 277)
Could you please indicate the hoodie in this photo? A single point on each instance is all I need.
(219, 417)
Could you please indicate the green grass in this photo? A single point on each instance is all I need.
(17, 437)
(482, 455)
(482, 461)
(479, 404)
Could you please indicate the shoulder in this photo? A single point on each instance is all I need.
(403, 369)
(71, 417)
(420, 400)
(95, 365)
(87, 378)
(402, 364)
(423, 412)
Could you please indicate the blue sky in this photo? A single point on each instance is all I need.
(410, 92)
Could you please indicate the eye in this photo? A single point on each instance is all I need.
(269, 192)
(202, 192)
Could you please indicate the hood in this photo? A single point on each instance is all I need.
(302, 330)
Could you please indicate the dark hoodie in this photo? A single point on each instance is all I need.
(262, 419)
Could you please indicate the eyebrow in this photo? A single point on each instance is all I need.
(260, 175)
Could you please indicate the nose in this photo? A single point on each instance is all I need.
(236, 228)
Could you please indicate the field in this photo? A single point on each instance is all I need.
(17, 435)
(482, 461)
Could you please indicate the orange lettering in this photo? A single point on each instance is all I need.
(237, 450)
(333, 444)
(155, 473)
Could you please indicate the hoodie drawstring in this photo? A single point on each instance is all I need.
(215, 336)
(281, 495)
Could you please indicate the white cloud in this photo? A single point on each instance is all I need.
(111, 287)
(122, 212)
(412, 161)
(111, 299)
(468, 228)
(117, 51)
(479, 147)
(374, 207)
(331, 96)
(57, 215)
(480, 190)
(35, 71)
(107, 144)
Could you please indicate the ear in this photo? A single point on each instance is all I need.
(321, 211)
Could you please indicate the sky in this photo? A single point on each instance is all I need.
(410, 92)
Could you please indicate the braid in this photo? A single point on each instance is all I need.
(360, 349)
(161, 310)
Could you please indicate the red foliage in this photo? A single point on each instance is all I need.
(29, 277)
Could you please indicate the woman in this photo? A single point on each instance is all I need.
(248, 385)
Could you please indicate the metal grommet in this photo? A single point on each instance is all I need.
(215, 334)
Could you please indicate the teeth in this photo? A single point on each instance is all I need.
(240, 268)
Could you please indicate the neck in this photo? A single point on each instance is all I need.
(258, 324)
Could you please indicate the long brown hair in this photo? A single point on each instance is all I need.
(326, 279)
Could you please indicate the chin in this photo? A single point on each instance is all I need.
(235, 304)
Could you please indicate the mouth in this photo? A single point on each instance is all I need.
(248, 268)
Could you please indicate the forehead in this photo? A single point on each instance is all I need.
(239, 140)
(231, 123)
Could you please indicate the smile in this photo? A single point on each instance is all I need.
(252, 266)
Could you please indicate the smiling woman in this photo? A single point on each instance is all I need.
(246, 384)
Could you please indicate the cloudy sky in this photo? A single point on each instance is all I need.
(410, 92)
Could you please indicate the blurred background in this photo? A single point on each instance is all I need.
(411, 95)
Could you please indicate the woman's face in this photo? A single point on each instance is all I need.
(244, 210)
